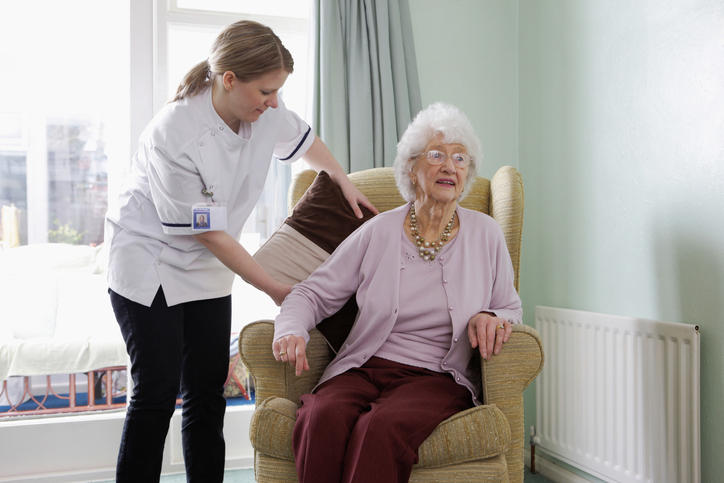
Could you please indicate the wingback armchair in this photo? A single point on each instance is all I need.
(482, 444)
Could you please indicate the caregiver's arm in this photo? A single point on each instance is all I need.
(232, 254)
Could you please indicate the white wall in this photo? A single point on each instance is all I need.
(84, 447)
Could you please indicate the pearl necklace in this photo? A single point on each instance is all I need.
(428, 250)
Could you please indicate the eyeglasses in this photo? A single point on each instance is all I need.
(436, 158)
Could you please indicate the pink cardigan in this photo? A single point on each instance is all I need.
(477, 273)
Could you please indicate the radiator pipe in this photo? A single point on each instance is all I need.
(534, 440)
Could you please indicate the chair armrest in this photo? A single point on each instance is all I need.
(507, 204)
(505, 377)
(273, 378)
(518, 364)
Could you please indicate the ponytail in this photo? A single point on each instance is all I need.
(246, 48)
(195, 81)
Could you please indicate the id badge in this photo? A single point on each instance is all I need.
(208, 217)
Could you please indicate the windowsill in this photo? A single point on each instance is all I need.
(107, 415)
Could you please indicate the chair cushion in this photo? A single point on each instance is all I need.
(478, 433)
(320, 221)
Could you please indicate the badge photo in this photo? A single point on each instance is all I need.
(202, 220)
(208, 217)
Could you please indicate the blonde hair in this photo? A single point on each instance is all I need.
(439, 119)
(246, 48)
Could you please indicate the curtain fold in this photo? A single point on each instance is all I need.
(365, 88)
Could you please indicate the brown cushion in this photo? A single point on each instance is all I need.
(320, 221)
(323, 215)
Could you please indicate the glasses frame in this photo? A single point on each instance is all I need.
(434, 161)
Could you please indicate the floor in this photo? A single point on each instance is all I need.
(230, 476)
(247, 476)
(535, 478)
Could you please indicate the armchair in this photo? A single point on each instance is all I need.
(482, 444)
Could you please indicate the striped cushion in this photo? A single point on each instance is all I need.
(471, 435)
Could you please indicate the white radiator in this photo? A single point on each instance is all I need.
(619, 397)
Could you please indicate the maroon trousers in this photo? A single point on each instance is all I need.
(367, 424)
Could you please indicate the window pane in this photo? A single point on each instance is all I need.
(187, 46)
(63, 116)
(77, 180)
(13, 199)
(281, 8)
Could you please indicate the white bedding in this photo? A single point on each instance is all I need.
(56, 316)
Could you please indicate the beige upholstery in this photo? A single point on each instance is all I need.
(483, 444)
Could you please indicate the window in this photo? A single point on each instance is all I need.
(70, 71)
(65, 139)
(63, 117)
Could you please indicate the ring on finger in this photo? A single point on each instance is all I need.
(283, 353)
(501, 326)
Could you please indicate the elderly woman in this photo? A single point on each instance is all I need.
(434, 285)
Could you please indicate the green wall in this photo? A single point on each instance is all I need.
(467, 55)
(619, 136)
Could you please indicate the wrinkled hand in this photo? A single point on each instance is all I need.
(356, 198)
(292, 349)
(485, 332)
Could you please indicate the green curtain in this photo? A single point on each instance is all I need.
(366, 89)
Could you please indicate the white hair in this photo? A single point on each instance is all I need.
(452, 126)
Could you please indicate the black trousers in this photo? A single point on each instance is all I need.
(186, 348)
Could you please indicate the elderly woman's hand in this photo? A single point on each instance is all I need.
(292, 349)
(488, 332)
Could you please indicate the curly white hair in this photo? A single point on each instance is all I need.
(453, 127)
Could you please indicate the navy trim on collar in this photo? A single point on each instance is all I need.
(298, 145)
(177, 225)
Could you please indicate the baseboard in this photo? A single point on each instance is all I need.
(552, 471)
